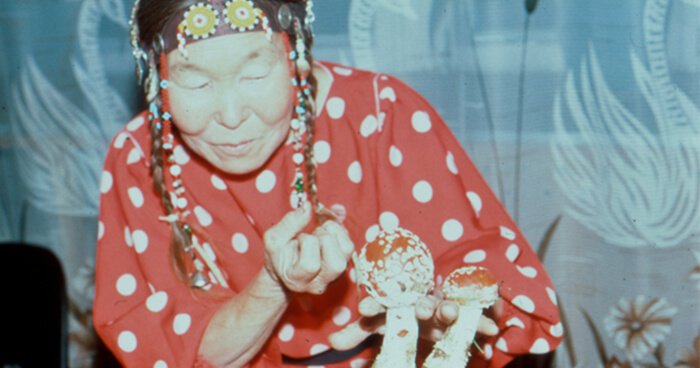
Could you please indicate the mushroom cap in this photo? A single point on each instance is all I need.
(471, 285)
(396, 268)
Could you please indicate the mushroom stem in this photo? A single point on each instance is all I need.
(400, 339)
(453, 349)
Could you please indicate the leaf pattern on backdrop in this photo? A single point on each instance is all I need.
(631, 180)
(62, 146)
(690, 358)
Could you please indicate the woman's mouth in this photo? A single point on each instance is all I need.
(236, 149)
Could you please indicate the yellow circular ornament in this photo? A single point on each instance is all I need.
(241, 15)
(201, 20)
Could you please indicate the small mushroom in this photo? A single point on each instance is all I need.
(473, 289)
(396, 270)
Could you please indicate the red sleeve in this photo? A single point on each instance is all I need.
(142, 311)
(428, 184)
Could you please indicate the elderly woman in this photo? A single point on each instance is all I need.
(230, 209)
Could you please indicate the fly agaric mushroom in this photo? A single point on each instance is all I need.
(396, 270)
(473, 289)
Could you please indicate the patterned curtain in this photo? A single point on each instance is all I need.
(582, 115)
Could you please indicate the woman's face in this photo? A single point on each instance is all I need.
(232, 99)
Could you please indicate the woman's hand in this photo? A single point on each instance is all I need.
(434, 314)
(306, 262)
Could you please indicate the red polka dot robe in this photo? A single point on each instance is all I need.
(384, 157)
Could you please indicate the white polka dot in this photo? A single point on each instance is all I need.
(502, 345)
(318, 349)
(557, 330)
(369, 126)
(286, 333)
(540, 346)
(218, 183)
(134, 156)
(359, 363)
(353, 275)
(182, 323)
(355, 172)
(421, 122)
(450, 160)
(513, 252)
(156, 302)
(475, 201)
(240, 243)
(341, 316)
(388, 221)
(203, 216)
(140, 241)
(136, 197)
(209, 252)
(372, 233)
(515, 321)
(452, 230)
(335, 107)
(488, 351)
(342, 71)
(160, 364)
(395, 156)
(527, 271)
(135, 124)
(524, 303)
(120, 139)
(100, 230)
(127, 236)
(475, 256)
(388, 93)
(266, 181)
(126, 284)
(181, 157)
(423, 191)
(127, 341)
(507, 233)
(552, 295)
(322, 152)
(106, 182)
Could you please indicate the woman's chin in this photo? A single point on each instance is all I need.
(238, 166)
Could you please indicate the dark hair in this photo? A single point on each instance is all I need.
(151, 18)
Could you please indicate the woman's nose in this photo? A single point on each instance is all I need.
(232, 109)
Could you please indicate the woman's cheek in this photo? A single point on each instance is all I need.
(189, 113)
(274, 102)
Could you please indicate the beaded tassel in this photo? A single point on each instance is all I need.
(300, 117)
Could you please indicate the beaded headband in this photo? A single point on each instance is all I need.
(203, 20)
(200, 21)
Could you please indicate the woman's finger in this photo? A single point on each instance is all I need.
(333, 262)
(425, 307)
(369, 307)
(287, 229)
(356, 332)
(308, 265)
(341, 234)
(487, 326)
(447, 312)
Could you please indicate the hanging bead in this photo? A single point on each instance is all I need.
(199, 280)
